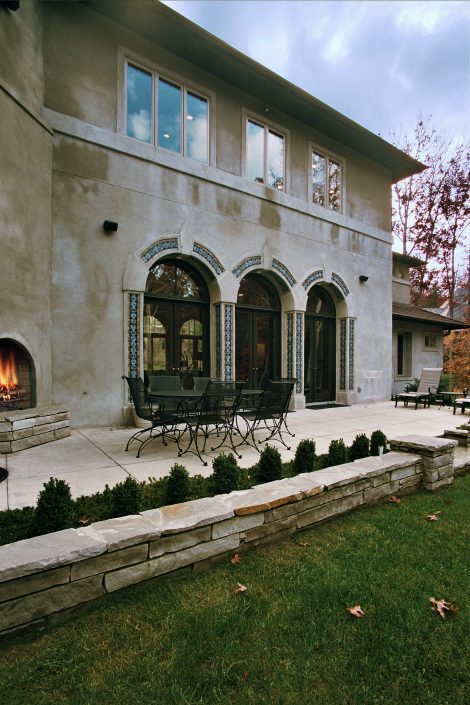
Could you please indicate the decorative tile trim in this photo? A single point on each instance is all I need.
(351, 352)
(290, 344)
(283, 271)
(228, 335)
(209, 257)
(218, 341)
(299, 341)
(245, 264)
(336, 279)
(160, 246)
(133, 336)
(313, 277)
(342, 355)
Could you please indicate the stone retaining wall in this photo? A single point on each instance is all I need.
(48, 575)
(44, 580)
(32, 427)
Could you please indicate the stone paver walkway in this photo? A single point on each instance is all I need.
(93, 457)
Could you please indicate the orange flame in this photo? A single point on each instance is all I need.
(8, 374)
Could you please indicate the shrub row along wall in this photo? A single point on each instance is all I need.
(45, 579)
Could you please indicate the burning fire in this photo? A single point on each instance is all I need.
(8, 374)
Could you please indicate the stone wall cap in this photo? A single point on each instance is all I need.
(175, 518)
(378, 464)
(261, 498)
(124, 531)
(48, 551)
(430, 443)
(22, 414)
(336, 476)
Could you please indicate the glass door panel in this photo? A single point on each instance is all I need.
(244, 345)
(256, 351)
(320, 353)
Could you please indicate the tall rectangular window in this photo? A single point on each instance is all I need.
(180, 122)
(265, 155)
(326, 181)
(404, 354)
(139, 103)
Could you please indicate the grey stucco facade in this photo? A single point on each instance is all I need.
(72, 295)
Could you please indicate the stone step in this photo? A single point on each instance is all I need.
(460, 435)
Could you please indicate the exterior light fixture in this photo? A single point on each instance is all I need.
(12, 5)
(110, 226)
(363, 278)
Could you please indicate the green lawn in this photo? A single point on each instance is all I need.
(287, 640)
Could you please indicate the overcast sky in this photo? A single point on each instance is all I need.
(381, 63)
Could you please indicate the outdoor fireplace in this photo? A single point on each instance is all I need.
(17, 377)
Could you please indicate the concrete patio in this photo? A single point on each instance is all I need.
(93, 457)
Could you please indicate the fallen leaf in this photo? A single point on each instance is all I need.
(245, 676)
(240, 588)
(442, 607)
(394, 500)
(304, 544)
(356, 611)
(433, 517)
(235, 559)
(448, 501)
(83, 520)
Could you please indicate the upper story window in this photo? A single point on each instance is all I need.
(327, 181)
(265, 155)
(165, 113)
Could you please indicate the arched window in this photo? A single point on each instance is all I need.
(176, 320)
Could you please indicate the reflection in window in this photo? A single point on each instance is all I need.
(169, 116)
(320, 303)
(191, 327)
(264, 155)
(188, 136)
(197, 145)
(326, 181)
(155, 340)
(404, 354)
(139, 104)
(175, 280)
(255, 292)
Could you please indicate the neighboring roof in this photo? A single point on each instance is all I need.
(159, 24)
(413, 313)
(407, 259)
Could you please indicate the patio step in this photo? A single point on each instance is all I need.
(460, 435)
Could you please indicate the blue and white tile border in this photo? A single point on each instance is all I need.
(283, 271)
(170, 243)
(245, 264)
(228, 339)
(209, 257)
(218, 341)
(351, 353)
(290, 344)
(299, 353)
(316, 276)
(340, 283)
(133, 337)
(342, 355)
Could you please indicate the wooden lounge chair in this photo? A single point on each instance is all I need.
(428, 386)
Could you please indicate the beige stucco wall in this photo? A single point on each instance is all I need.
(25, 195)
(420, 357)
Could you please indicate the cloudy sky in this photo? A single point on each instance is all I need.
(381, 63)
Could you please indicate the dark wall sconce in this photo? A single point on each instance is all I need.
(363, 278)
(12, 5)
(110, 226)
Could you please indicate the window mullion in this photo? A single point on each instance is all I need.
(266, 155)
(183, 120)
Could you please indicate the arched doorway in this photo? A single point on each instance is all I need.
(176, 321)
(257, 331)
(320, 347)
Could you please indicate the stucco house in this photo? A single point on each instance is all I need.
(170, 205)
(418, 333)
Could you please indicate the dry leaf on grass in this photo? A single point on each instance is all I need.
(356, 611)
(443, 607)
(304, 544)
(245, 676)
(448, 501)
(394, 500)
(241, 588)
(433, 517)
(235, 559)
(83, 520)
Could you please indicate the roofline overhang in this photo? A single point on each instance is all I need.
(407, 259)
(446, 324)
(159, 24)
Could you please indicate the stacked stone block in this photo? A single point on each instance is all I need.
(437, 456)
(46, 579)
(32, 427)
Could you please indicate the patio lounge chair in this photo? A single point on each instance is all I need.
(428, 386)
(462, 402)
(166, 422)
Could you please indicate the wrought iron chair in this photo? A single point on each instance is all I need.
(272, 385)
(200, 383)
(214, 412)
(165, 383)
(165, 421)
(268, 412)
(428, 386)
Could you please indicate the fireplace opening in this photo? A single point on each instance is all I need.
(17, 377)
